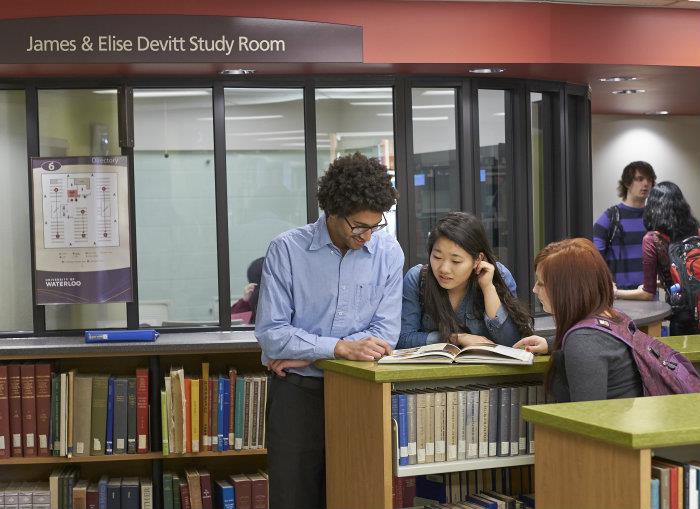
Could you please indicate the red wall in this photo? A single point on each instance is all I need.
(452, 32)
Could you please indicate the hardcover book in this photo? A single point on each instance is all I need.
(4, 413)
(28, 410)
(42, 374)
(447, 353)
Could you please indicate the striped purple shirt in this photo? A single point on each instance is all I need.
(624, 254)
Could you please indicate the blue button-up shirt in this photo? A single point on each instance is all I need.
(417, 328)
(311, 295)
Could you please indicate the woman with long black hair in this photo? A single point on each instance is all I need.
(463, 295)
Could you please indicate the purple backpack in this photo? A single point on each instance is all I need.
(662, 369)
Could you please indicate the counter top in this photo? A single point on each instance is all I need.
(166, 344)
(637, 423)
(388, 373)
(640, 311)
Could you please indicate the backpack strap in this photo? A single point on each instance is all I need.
(614, 225)
(623, 331)
(661, 245)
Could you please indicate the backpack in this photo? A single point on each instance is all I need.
(663, 370)
(684, 257)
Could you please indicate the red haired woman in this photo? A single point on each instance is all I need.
(573, 283)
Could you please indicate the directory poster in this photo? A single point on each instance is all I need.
(81, 230)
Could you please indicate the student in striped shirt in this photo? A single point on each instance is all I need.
(618, 232)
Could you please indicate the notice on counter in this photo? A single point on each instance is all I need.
(81, 230)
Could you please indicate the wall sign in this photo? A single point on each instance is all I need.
(175, 39)
(81, 230)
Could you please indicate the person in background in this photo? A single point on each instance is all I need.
(618, 232)
(460, 296)
(331, 289)
(572, 281)
(249, 302)
(669, 219)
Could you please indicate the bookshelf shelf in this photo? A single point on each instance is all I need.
(462, 465)
(60, 460)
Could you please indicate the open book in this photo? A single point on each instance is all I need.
(447, 353)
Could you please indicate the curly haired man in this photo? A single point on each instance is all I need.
(331, 289)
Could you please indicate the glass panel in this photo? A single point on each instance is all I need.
(15, 257)
(266, 178)
(80, 123)
(435, 160)
(494, 171)
(538, 165)
(175, 207)
(350, 120)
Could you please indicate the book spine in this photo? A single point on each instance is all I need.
(493, 421)
(188, 415)
(403, 429)
(164, 424)
(120, 415)
(256, 413)
(195, 414)
(205, 486)
(504, 421)
(109, 429)
(220, 414)
(167, 488)
(264, 381)
(131, 415)
(70, 436)
(177, 496)
(522, 428)
(83, 414)
(43, 407)
(421, 423)
(411, 418)
(430, 428)
(142, 433)
(15, 401)
(185, 495)
(462, 420)
(532, 400)
(204, 428)
(29, 448)
(440, 425)
(232, 375)
(451, 426)
(478, 436)
(146, 494)
(98, 421)
(226, 415)
(56, 413)
(246, 413)
(63, 419)
(213, 417)
(239, 418)
(4, 413)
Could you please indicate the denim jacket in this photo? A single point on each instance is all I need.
(418, 329)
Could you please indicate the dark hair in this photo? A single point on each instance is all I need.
(668, 212)
(467, 232)
(355, 183)
(578, 283)
(254, 274)
(644, 168)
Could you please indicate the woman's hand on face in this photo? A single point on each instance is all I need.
(464, 339)
(248, 291)
(534, 344)
(484, 273)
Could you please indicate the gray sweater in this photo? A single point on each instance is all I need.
(594, 365)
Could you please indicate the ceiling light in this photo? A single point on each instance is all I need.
(500, 114)
(615, 79)
(436, 106)
(447, 91)
(160, 93)
(252, 117)
(629, 91)
(375, 103)
(662, 112)
(487, 70)
(237, 71)
(385, 114)
(428, 119)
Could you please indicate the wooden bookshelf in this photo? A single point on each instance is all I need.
(359, 436)
(598, 453)
(237, 349)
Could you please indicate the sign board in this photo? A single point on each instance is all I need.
(175, 39)
(81, 230)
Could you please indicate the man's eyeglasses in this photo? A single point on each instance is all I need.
(359, 230)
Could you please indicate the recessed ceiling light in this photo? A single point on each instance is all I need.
(487, 70)
(660, 112)
(237, 71)
(616, 79)
(629, 91)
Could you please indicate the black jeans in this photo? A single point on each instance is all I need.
(295, 443)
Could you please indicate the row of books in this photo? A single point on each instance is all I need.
(513, 486)
(44, 413)
(213, 413)
(675, 485)
(474, 421)
(239, 491)
(193, 489)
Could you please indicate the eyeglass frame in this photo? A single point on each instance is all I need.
(359, 230)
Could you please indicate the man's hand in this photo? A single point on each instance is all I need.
(279, 365)
(367, 349)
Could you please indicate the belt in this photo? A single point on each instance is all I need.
(305, 382)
